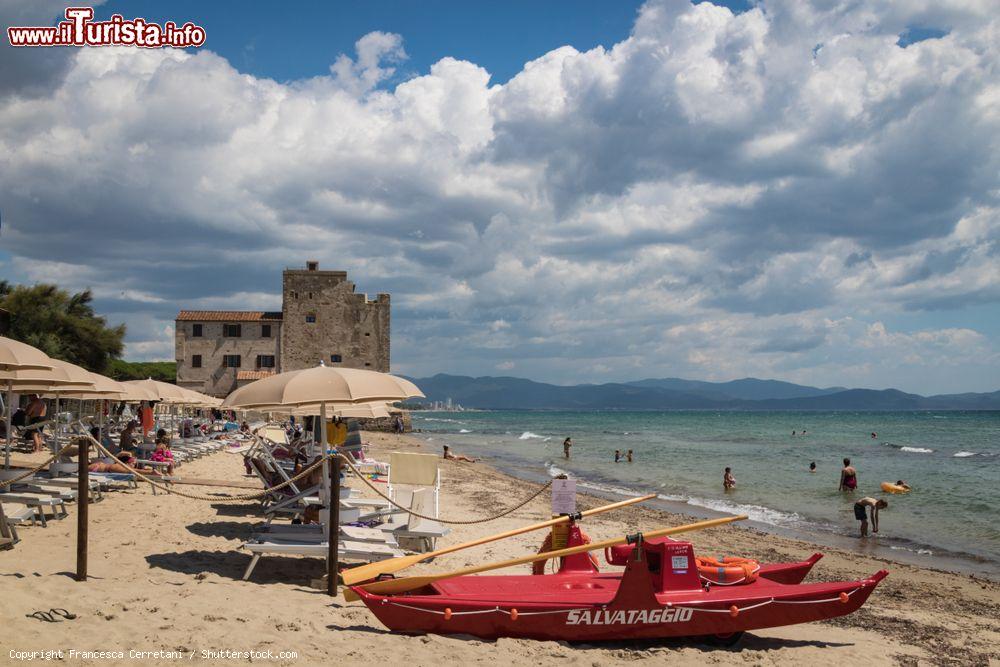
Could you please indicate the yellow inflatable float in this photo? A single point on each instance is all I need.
(889, 487)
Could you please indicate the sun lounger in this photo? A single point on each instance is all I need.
(347, 550)
(40, 501)
(18, 513)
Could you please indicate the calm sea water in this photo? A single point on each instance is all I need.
(951, 459)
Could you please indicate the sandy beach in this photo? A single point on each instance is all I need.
(165, 576)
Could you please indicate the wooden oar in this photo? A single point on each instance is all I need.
(405, 584)
(373, 570)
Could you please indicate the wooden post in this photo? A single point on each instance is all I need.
(82, 506)
(333, 557)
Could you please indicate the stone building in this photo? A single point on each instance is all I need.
(322, 318)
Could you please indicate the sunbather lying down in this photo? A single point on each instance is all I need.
(125, 463)
(448, 454)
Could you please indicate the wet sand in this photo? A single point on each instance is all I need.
(165, 576)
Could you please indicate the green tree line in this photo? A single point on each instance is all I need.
(65, 326)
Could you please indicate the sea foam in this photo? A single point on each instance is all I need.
(528, 435)
(916, 450)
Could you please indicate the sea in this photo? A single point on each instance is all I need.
(950, 459)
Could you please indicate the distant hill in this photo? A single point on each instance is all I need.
(509, 393)
(750, 389)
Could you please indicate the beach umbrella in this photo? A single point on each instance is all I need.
(321, 385)
(16, 355)
(161, 391)
(40, 380)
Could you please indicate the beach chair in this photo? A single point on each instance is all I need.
(409, 472)
(409, 527)
(8, 534)
(17, 513)
(39, 501)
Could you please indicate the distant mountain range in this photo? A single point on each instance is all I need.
(508, 393)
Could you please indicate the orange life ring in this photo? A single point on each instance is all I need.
(729, 571)
(538, 567)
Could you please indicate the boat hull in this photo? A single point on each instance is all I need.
(627, 614)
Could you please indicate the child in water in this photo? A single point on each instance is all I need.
(628, 456)
(618, 456)
(728, 481)
(812, 467)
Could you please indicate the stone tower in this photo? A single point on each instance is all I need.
(323, 319)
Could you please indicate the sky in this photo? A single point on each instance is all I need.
(566, 191)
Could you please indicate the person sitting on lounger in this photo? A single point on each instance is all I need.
(127, 441)
(456, 457)
(162, 454)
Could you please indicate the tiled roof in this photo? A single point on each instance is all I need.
(253, 375)
(226, 315)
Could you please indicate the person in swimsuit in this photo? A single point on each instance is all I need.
(127, 441)
(861, 513)
(618, 456)
(36, 412)
(628, 456)
(728, 481)
(567, 443)
(848, 477)
(456, 457)
(812, 467)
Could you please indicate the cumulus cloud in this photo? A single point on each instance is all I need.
(716, 195)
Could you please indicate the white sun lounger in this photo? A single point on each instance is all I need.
(348, 550)
(39, 501)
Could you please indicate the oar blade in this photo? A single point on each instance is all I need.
(368, 571)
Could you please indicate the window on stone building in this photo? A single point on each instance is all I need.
(293, 294)
(311, 318)
(367, 364)
(367, 334)
(196, 331)
(265, 331)
(232, 330)
(335, 358)
(230, 361)
(310, 295)
(196, 361)
(265, 361)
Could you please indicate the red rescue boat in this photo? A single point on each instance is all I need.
(659, 594)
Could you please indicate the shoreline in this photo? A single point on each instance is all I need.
(165, 574)
(947, 562)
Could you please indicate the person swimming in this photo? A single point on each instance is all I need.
(848, 477)
(728, 481)
(812, 467)
(902, 483)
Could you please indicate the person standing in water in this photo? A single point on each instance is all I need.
(567, 443)
(848, 477)
(628, 456)
(861, 513)
(618, 456)
(728, 481)
(812, 467)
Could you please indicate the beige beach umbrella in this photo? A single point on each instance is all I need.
(16, 355)
(161, 391)
(61, 377)
(322, 384)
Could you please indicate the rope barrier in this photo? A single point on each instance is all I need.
(439, 520)
(8, 482)
(306, 471)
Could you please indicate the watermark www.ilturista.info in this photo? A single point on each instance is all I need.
(79, 29)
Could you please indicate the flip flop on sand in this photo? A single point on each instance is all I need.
(69, 616)
(43, 616)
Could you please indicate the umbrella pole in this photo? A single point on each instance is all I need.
(331, 480)
(10, 427)
(55, 429)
